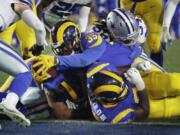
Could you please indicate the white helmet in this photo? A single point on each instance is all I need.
(122, 26)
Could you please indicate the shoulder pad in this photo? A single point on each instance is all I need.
(93, 39)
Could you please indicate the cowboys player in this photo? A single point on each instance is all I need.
(25, 34)
(52, 11)
(10, 12)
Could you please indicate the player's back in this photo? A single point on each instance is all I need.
(120, 55)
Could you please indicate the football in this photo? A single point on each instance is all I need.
(52, 72)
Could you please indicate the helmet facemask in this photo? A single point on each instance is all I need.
(122, 27)
(68, 41)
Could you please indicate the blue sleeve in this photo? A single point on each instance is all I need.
(83, 59)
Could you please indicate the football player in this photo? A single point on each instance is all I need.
(112, 94)
(54, 10)
(10, 12)
(168, 14)
(25, 34)
(151, 12)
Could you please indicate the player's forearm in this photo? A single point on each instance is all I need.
(82, 59)
(169, 12)
(142, 110)
(84, 17)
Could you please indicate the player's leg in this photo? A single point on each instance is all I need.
(6, 84)
(13, 64)
(160, 84)
(6, 35)
(26, 35)
(164, 108)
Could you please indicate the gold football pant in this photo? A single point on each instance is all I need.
(151, 11)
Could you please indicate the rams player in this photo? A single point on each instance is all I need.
(112, 94)
(10, 12)
(54, 10)
(152, 13)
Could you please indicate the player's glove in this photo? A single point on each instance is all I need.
(133, 76)
(36, 49)
(44, 62)
(166, 38)
(142, 66)
(71, 105)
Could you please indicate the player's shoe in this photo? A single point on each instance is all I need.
(14, 114)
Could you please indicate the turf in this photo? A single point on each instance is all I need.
(90, 128)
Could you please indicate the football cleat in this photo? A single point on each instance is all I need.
(15, 115)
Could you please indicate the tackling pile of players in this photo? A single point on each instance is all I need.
(96, 72)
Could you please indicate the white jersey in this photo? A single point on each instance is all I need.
(63, 8)
(7, 15)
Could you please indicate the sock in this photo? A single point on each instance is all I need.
(21, 83)
(157, 57)
(11, 99)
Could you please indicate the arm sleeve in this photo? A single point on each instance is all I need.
(169, 12)
(32, 20)
(83, 59)
(84, 17)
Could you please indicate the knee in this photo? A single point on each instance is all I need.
(154, 42)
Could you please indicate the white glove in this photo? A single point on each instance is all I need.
(71, 105)
(166, 37)
(143, 66)
(133, 76)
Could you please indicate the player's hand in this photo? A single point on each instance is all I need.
(133, 76)
(36, 49)
(144, 66)
(71, 105)
(40, 77)
(166, 38)
(44, 62)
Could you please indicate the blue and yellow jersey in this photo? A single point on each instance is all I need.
(121, 111)
(68, 84)
(120, 55)
(95, 48)
(92, 40)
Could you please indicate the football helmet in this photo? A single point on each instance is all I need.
(108, 87)
(65, 38)
(122, 26)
